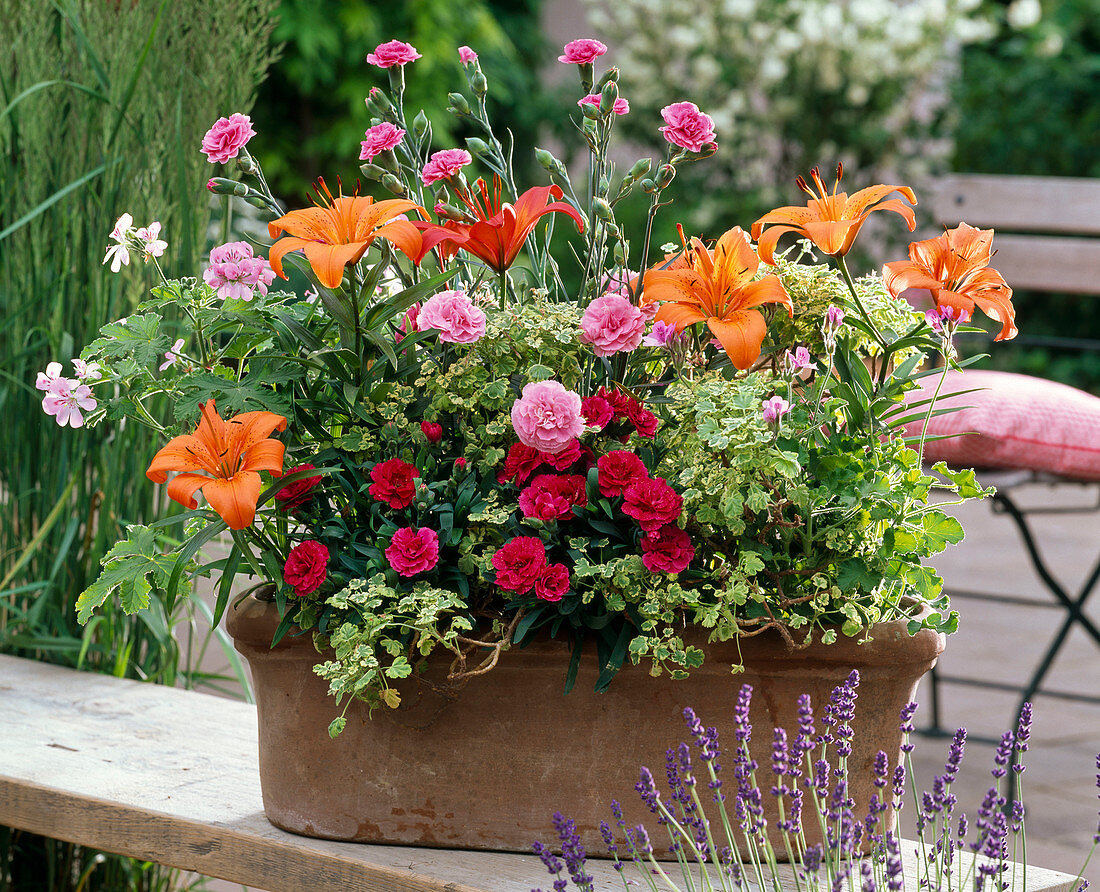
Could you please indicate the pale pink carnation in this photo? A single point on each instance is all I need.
(547, 417)
(687, 127)
(620, 107)
(612, 324)
(235, 272)
(454, 315)
(444, 165)
(391, 53)
(226, 138)
(380, 138)
(582, 51)
(466, 55)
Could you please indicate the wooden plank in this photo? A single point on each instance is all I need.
(1048, 263)
(1067, 205)
(170, 776)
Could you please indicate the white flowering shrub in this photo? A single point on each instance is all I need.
(794, 83)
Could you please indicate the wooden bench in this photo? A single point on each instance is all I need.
(170, 776)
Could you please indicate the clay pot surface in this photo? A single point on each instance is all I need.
(488, 769)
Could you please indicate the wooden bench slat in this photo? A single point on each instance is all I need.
(170, 776)
(1048, 263)
(1068, 205)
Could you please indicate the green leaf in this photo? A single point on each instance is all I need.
(130, 571)
(941, 529)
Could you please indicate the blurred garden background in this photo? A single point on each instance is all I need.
(103, 107)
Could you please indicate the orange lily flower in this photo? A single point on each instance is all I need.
(718, 289)
(955, 268)
(500, 229)
(231, 452)
(339, 231)
(830, 220)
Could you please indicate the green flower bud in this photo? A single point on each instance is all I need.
(610, 76)
(478, 147)
(640, 168)
(590, 111)
(666, 173)
(459, 105)
(222, 186)
(608, 96)
(602, 209)
(648, 186)
(478, 84)
(613, 231)
(372, 171)
(392, 184)
(420, 125)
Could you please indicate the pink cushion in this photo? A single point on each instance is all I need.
(1021, 422)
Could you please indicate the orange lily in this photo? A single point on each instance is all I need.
(718, 289)
(232, 452)
(500, 229)
(830, 220)
(339, 231)
(955, 268)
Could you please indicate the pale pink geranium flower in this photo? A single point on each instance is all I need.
(119, 253)
(466, 55)
(49, 379)
(774, 409)
(454, 315)
(444, 165)
(612, 324)
(547, 417)
(151, 243)
(800, 360)
(582, 51)
(225, 139)
(687, 127)
(393, 52)
(235, 272)
(378, 139)
(663, 334)
(172, 356)
(620, 107)
(86, 371)
(939, 317)
(65, 400)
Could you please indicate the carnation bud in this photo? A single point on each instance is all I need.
(245, 162)
(609, 77)
(392, 184)
(478, 84)
(640, 168)
(258, 201)
(222, 186)
(547, 161)
(372, 171)
(478, 147)
(590, 111)
(613, 231)
(617, 254)
(648, 186)
(449, 211)
(602, 209)
(709, 149)
(378, 103)
(459, 105)
(608, 96)
(665, 175)
(420, 124)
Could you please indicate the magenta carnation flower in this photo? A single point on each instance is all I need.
(620, 107)
(378, 139)
(687, 127)
(553, 583)
(519, 563)
(454, 315)
(235, 272)
(226, 138)
(612, 324)
(652, 503)
(582, 51)
(547, 416)
(391, 53)
(669, 550)
(444, 165)
(413, 550)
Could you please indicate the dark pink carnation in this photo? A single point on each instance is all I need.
(225, 139)
(296, 494)
(553, 583)
(652, 503)
(393, 482)
(564, 459)
(620, 107)
(644, 421)
(550, 497)
(597, 412)
(391, 53)
(582, 51)
(306, 567)
(413, 550)
(378, 139)
(669, 550)
(521, 463)
(519, 563)
(687, 127)
(444, 165)
(617, 470)
(432, 430)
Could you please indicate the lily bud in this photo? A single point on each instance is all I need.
(459, 105)
(392, 184)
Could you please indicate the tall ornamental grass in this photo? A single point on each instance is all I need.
(102, 109)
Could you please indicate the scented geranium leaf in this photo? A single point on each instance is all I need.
(129, 571)
(233, 396)
(138, 338)
(967, 484)
(941, 529)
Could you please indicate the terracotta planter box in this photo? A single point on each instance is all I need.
(488, 769)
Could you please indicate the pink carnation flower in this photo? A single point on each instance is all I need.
(454, 315)
(413, 550)
(612, 324)
(582, 51)
(226, 138)
(444, 165)
(687, 127)
(553, 584)
(547, 416)
(466, 55)
(668, 550)
(391, 53)
(621, 106)
(235, 272)
(380, 138)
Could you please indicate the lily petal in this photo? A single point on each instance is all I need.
(740, 336)
(234, 499)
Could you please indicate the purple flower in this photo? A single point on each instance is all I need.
(774, 409)
(663, 334)
(799, 361)
(1023, 735)
(572, 851)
